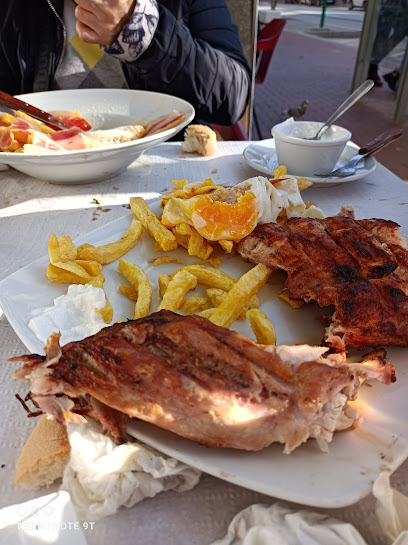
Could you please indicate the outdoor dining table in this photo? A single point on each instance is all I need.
(31, 209)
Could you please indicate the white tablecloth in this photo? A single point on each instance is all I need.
(31, 209)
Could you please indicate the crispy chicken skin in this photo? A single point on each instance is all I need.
(360, 266)
(201, 381)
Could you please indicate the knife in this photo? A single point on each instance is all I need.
(14, 103)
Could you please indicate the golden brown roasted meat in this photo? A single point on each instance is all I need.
(201, 381)
(360, 266)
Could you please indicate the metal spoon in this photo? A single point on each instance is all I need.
(352, 99)
(366, 151)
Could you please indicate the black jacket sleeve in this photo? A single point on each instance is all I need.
(196, 55)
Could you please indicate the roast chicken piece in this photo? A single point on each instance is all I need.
(201, 381)
(359, 266)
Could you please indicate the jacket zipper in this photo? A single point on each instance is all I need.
(64, 34)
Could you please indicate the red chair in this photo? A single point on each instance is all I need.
(265, 46)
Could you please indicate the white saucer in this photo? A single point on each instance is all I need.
(262, 156)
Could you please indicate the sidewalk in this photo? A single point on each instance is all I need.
(321, 70)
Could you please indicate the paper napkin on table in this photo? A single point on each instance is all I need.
(49, 519)
(392, 510)
(102, 476)
(278, 524)
(266, 524)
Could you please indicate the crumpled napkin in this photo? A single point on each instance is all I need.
(102, 476)
(261, 524)
(392, 510)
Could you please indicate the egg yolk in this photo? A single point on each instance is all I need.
(216, 220)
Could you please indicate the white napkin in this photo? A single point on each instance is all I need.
(278, 524)
(102, 476)
(392, 510)
(48, 519)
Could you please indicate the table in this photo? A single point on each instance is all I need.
(31, 209)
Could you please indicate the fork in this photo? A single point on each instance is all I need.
(369, 149)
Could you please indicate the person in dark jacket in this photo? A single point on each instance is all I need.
(392, 27)
(186, 48)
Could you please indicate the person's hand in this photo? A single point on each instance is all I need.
(100, 21)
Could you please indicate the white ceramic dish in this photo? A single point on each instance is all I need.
(304, 156)
(262, 157)
(308, 476)
(104, 109)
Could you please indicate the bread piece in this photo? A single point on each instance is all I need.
(44, 456)
(200, 139)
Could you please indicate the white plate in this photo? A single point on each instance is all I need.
(262, 156)
(104, 109)
(308, 476)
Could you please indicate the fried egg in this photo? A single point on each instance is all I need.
(232, 213)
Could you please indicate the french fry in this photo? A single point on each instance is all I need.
(279, 172)
(261, 326)
(191, 190)
(210, 277)
(215, 262)
(93, 268)
(81, 247)
(61, 249)
(6, 119)
(106, 312)
(192, 241)
(74, 268)
(294, 303)
(163, 280)
(198, 246)
(183, 229)
(303, 183)
(182, 240)
(63, 276)
(40, 126)
(226, 245)
(179, 183)
(67, 249)
(159, 232)
(179, 285)
(217, 296)
(194, 304)
(138, 279)
(163, 260)
(214, 278)
(129, 291)
(97, 281)
(114, 250)
(207, 313)
(240, 295)
(53, 249)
